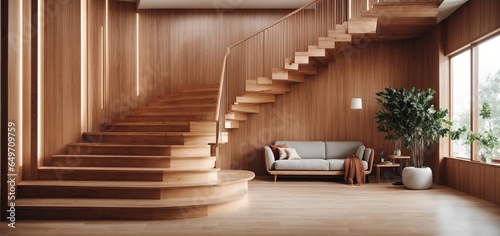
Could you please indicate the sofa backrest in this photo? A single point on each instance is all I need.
(306, 149)
(341, 149)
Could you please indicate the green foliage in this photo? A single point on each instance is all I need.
(487, 139)
(410, 116)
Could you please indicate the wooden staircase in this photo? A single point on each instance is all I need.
(155, 164)
(384, 22)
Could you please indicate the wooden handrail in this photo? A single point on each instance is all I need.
(221, 83)
(219, 97)
(273, 24)
(228, 51)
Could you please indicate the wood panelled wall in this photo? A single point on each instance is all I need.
(15, 69)
(61, 76)
(475, 178)
(177, 48)
(19, 81)
(430, 70)
(319, 109)
(472, 21)
(95, 63)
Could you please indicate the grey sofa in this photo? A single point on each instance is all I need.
(317, 158)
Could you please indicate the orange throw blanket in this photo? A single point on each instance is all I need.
(354, 171)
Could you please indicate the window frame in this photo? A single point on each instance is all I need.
(474, 93)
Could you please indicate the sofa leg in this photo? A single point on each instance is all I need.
(275, 178)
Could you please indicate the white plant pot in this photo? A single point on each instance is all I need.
(417, 178)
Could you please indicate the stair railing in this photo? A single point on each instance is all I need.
(256, 55)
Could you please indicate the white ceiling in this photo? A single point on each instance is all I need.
(226, 4)
(445, 9)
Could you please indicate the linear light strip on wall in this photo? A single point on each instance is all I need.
(83, 68)
(19, 124)
(349, 7)
(39, 81)
(101, 56)
(106, 52)
(137, 53)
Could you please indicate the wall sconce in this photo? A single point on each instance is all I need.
(356, 104)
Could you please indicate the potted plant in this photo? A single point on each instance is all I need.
(487, 141)
(410, 116)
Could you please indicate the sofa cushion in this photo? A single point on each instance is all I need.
(303, 164)
(360, 152)
(282, 153)
(274, 148)
(367, 154)
(338, 164)
(340, 149)
(292, 154)
(307, 149)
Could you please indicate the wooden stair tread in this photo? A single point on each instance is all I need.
(150, 123)
(182, 103)
(206, 87)
(207, 117)
(421, 3)
(228, 177)
(182, 98)
(128, 169)
(189, 105)
(173, 113)
(126, 203)
(287, 75)
(131, 156)
(136, 145)
(276, 87)
(159, 134)
(190, 93)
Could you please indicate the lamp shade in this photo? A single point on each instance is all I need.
(356, 104)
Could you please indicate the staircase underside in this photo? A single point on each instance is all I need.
(386, 21)
(155, 164)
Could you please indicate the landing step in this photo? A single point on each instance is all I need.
(133, 161)
(136, 149)
(126, 209)
(128, 174)
(364, 25)
(226, 183)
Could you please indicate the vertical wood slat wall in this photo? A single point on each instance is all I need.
(178, 48)
(473, 21)
(474, 178)
(61, 76)
(19, 97)
(319, 109)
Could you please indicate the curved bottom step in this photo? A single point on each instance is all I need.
(132, 209)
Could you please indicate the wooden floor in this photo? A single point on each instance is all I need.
(312, 206)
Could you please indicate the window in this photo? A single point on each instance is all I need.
(475, 79)
(461, 99)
